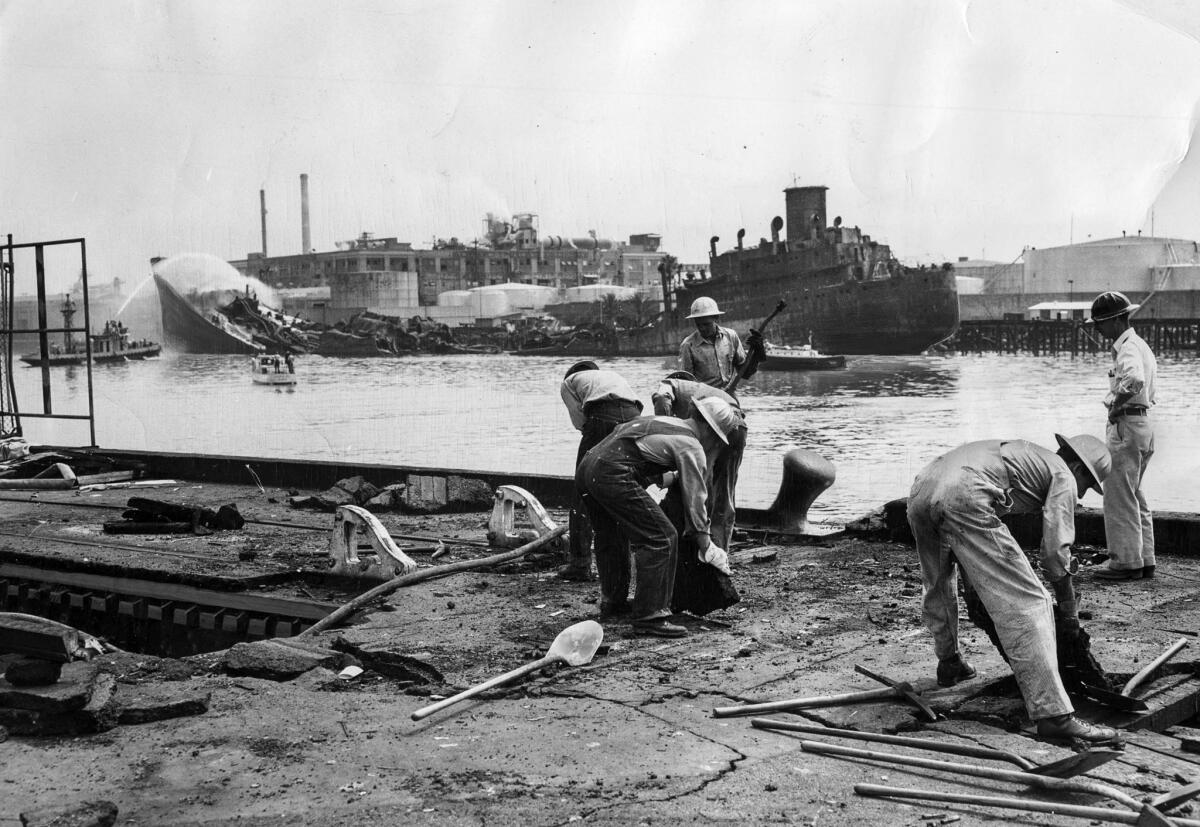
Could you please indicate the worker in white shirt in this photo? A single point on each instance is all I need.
(714, 354)
(612, 480)
(597, 401)
(1128, 521)
(954, 511)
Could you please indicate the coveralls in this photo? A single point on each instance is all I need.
(612, 480)
(597, 401)
(954, 510)
(1128, 521)
(674, 397)
(713, 363)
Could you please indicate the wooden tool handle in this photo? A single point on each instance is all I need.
(1026, 804)
(968, 750)
(426, 711)
(1137, 679)
(805, 703)
(732, 384)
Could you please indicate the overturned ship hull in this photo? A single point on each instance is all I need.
(187, 330)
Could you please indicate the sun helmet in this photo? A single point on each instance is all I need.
(1092, 453)
(719, 415)
(681, 374)
(586, 364)
(1110, 305)
(704, 306)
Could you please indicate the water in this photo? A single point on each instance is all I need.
(879, 421)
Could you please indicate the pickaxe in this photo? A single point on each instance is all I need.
(894, 690)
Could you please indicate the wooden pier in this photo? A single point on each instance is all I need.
(1046, 337)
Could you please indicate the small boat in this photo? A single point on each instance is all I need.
(782, 357)
(112, 345)
(272, 369)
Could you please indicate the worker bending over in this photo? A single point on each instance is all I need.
(954, 510)
(612, 480)
(597, 401)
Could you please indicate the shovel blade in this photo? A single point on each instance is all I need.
(1076, 764)
(1113, 700)
(576, 645)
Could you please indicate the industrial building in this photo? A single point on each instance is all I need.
(511, 269)
(1162, 274)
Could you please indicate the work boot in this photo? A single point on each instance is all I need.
(954, 670)
(575, 572)
(1109, 573)
(610, 609)
(1147, 572)
(1070, 728)
(657, 626)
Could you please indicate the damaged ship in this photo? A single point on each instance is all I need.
(845, 292)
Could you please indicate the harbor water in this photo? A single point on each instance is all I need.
(879, 420)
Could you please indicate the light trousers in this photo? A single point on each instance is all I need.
(1128, 521)
(955, 518)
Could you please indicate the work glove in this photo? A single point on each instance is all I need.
(756, 345)
(1068, 613)
(716, 557)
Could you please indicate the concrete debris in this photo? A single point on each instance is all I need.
(26, 634)
(87, 814)
(82, 702)
(418, 494)
(33, 672)
(155, 702)
(281, 659)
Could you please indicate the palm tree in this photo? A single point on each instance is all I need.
(608, 309)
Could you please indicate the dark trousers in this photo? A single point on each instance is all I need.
(602, 419)
(627, 520)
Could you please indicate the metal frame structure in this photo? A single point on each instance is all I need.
(8, 293)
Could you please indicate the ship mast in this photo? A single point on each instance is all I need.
(68, 314)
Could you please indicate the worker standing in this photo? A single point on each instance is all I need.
(1128, 521)
(612, 480)
(714, 354)
(954, 510)
(597, 401)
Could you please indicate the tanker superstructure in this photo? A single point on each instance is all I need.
(845, 293)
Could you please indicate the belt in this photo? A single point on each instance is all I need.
(1133, 410)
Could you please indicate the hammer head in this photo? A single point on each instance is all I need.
(904, 690)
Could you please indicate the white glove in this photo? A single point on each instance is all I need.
(716, 557)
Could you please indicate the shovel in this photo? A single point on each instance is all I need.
(1106, 697)
(575, 646)
(1140, 677)
(1069, 767)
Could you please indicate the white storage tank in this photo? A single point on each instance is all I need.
(596, 292)
(454, 298)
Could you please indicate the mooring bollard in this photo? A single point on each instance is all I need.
(806, 474)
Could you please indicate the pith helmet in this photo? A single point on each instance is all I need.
(586, 364)
(1110, 305)
(719, 415)
(1092, 453)
(704, 306)
(681, 374)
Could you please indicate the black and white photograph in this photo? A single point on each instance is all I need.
(636, 413)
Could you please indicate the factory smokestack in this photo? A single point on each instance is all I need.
(305, 238)
(262, 200)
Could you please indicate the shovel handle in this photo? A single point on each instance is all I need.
(806, 703)
(1026, 804)
(968, 750)
(1137, 679)
(426, 711)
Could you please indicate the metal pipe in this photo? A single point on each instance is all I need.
(305, 238)
(262, 201)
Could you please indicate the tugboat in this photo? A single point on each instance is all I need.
(273, 369)
(782, 357)
(112, 345)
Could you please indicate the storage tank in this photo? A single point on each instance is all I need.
(454, 298)
(596, 292)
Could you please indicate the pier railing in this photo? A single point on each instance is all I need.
(1049, 337)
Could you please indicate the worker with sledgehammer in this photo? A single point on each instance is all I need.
(954, 510)
(612, 480)
(597, 401)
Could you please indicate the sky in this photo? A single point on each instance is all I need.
(944, 128)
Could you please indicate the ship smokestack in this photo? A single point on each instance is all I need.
(776, 226)
(305, 238)
(262, 200)
(712, 246)
(805, 214)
